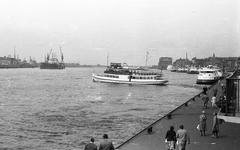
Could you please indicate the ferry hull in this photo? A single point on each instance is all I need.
(201, 81)
(97, 78)
(193, 72)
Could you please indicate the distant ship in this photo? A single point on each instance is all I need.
(53, 62)
(14, 62)
(193, 70)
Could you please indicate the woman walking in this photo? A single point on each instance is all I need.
(215, 128)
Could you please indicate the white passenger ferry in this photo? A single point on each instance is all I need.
(116, 73)
(193, 70)
(209, 75)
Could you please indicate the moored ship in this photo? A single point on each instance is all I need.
(8, 62)
(209, 75)
(193, 70)
(53, 62)
(116, 73)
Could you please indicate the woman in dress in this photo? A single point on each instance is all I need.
(215, 128)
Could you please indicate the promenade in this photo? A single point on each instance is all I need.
(188, 115)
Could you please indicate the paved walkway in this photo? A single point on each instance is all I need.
(229, 136)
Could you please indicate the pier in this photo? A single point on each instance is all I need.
(153, 137)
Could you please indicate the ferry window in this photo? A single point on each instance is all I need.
(140, 77)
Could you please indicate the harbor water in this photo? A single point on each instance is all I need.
(62, 109)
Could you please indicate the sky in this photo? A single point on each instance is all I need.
(125, 30)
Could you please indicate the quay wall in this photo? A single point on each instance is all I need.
(151, 128)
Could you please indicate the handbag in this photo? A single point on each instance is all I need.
(198, 127)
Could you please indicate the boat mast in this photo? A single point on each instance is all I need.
(61, 53)
(107, 58)
(147, 54)
(14, 52)
(48, 55)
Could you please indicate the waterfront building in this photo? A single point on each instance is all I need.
(230, 106)
(164, 62)
(226, 63)
(182, 63)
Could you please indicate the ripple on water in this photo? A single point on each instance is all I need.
(63, 109)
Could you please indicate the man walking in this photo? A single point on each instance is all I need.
(205, 100)
(182, 138)
(202, 123)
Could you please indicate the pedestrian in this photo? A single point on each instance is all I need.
(182, 138)
(205, 100)
(106, 144)
(205, 90)
(214, 99)
(91, 145)
(202, 123)
(215, 127)
(215, 91)
(170, 138)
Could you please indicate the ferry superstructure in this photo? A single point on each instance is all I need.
(118, 74)
(209, 75)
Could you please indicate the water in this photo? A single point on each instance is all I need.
(62, 109)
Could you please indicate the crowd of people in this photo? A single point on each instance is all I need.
(178, 140)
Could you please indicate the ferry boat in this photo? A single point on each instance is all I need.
(193, 70)
(116, 73)
(182, 70)
(171, 68)
(209, 75)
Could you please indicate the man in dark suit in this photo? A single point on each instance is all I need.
(91, 145)
(106, 144)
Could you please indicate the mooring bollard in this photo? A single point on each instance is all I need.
(150, 130)
(169, 116)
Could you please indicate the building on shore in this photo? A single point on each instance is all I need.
(182, 63)
(226, 63)
(164, 62)
(230, 104)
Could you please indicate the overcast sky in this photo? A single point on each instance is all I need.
(89, 29)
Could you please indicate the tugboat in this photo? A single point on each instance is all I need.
(52, 63)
